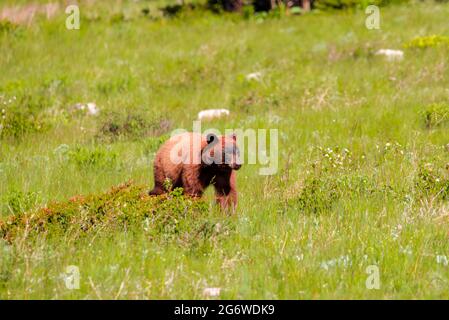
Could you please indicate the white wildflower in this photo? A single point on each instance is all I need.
(211, 292)
(91, 108)
(254, 76)
(406, 250)
(342, 261)
(442, 260)
(300, 257)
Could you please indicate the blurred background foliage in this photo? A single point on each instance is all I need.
(175, 7)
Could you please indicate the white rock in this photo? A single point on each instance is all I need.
(212, 113)
(211, 292)
(391, 54)
(92, 109)
(256, 76)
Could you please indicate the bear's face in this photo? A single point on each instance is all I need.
(222, 152)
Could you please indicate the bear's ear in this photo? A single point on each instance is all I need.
(211, 138)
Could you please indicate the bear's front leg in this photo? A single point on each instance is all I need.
(225, 191)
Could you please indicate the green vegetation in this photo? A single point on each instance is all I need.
(436, 114)
(428, 41)
(170, 217)
(363, 173)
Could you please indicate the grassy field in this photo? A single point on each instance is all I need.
(363, 173)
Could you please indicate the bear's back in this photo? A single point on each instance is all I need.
(182, 150)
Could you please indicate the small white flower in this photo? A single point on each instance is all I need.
(406, 250)
(113, 267)
(256, 76)
(91, 108)
(442, 260)
(396, 232)
(342, 261)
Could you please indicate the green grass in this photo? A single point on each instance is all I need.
(363, 173)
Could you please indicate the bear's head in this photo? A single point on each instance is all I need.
(222, 152)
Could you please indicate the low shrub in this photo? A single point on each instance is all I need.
(21, 116)
(332, 176)
(432, 181)
(427, 42)
(317, 195)
(177, 10)
(436, 114)
(7, 26)
(131, 126)
(16, 123)
(170, 217)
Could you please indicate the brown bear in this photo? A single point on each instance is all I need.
(193, 162)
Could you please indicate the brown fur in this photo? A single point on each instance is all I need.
(195, 178)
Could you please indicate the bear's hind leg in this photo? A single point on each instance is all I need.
(157, 190)
(159, 178)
